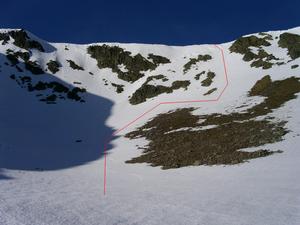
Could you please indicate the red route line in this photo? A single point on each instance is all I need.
(150, 110)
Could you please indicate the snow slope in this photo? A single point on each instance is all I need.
(51, 155)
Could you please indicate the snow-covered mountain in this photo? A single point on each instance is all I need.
(178, 108)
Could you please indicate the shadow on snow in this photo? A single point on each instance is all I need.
(35, 135)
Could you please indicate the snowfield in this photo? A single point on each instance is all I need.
(51, 155)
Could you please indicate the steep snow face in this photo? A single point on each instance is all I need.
(60, 103)
(71, 92)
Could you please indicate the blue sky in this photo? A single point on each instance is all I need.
(159, 21)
